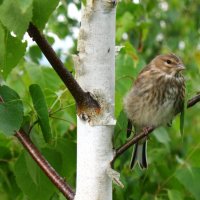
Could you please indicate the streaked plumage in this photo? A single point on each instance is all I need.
(155, 98)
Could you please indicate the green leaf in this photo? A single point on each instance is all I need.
(40, 106)
(15, 15)
(174, 195)
(84, 2)
(124, 78)
(35, 54)
(11, 111)
(182, 122)
(182, 117)
(38, 186)
(64, 146)
(2, 42)
(42, 10)
(43, 76)
(121, 129)
(161, 135)
(15, 50)
(190, 177)
(24, 4)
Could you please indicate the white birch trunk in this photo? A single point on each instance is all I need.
(95, 72)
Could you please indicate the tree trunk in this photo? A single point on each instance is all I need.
(95, 72)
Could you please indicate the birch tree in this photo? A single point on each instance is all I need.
(96, 46)
(33, 97)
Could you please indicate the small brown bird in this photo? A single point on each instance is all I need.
(156, 97)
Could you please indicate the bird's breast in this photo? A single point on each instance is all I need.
(153, 104)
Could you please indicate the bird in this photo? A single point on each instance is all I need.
(156, 96)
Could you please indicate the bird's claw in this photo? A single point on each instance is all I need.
(145, 130)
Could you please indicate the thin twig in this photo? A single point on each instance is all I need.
(61, 119)
(193, 101)
(140, 44)
(55, 178)
(32, 125)
(61, 109)
(119, 151)
(83, 99)
(1, 100)
(57, 99)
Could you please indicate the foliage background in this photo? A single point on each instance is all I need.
(145, 29)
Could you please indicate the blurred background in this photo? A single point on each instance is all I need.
(145, 28)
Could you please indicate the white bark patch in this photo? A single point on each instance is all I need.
(87, 13)
(82, 34)
(109, 4)
(90, 3)
(94, 155)
(78, 66)
(81, 46)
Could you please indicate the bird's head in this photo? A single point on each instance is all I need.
(168, 63)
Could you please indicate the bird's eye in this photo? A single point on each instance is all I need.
(169, 62)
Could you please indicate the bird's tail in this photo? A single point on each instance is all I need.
(139, 155)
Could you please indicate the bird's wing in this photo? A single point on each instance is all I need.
(143, 83)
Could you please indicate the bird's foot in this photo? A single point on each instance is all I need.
(145, 130)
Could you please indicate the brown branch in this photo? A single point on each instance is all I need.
(140, 44)
(83, 99)
(1, 100)
(146, 131)
(55, 178)
(191, 102)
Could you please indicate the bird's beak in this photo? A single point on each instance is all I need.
(180, 67)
